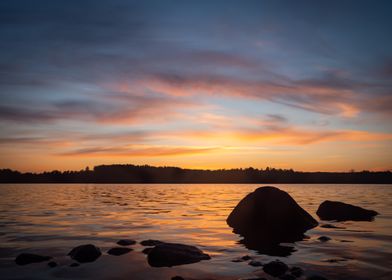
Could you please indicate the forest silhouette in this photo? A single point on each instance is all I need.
(128, 173)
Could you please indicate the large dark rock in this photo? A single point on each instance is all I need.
(85, 253)
(267, 217)
(335, 210)
(26, 258)
(171, 254)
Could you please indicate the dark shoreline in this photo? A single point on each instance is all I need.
(134, 174)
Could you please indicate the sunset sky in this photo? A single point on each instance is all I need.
(199, 84)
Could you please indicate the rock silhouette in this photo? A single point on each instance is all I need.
(171, 254)
(26, 258)
(267, 217)
(118, 251)
(126, 242)
(275, 268)
(85, 253)
(151, 242)
(336, 210)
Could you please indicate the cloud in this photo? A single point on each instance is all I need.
(138, 151)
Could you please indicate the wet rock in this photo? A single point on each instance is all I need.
(335, 260)
(177, 278)
(126, 242)
(146, 251)
(171, 254)
(118, 251)
(296, 271)
(275, 268)
(52, 264)
(316, 277)
(85, 253)
(253, 278)
(255, 263)
(343, 240)
(267, 217)
(74, 264)
(329, 226)
(26, 258)
(324, 238)
(246, 258)
(237, 260)
(151, 242)
(335, 210)
(287, 277)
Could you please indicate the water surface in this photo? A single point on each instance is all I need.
(51, 219)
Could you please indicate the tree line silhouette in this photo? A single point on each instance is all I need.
(127, 173)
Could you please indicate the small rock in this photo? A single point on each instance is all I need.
(343, 240)
(336, 210)
(335, 260)
(246, 258)
(324, 238)
(118, 251)
(177, 278)
(255, 263)
(329, 226)
(275, 268)
(171, 254)
(287, 277)
(316, 277)
(252, 278)
(85, 253)
(126, 242)
(237, 260)
(147, 250)
(26, 258)
(52, 264)
(151, 242)
(74, 264)
(296, 271)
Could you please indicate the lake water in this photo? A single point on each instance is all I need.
(51, 219)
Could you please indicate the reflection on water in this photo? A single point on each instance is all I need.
(54, 218)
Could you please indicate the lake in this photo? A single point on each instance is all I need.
(51, 219)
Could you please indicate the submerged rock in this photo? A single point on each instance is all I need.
(252, 278)
(330, 226)
(147, 250)
(287, 277)
(151, 242)
(118, 251)
(85, 253)
(171, 254)
(324, 238)
(336, 210)
(246, 258)
(316, 277)
(52, 264)
(269, 216)
(275, 268)
(296, 271)
(26, 258)
(126, 242)
(177, 278)
(74, 264)
(255, 263)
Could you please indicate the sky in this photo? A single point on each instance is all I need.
(196, 84)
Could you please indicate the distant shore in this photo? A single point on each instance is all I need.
(174, 175)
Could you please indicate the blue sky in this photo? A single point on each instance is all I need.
(202, 84)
